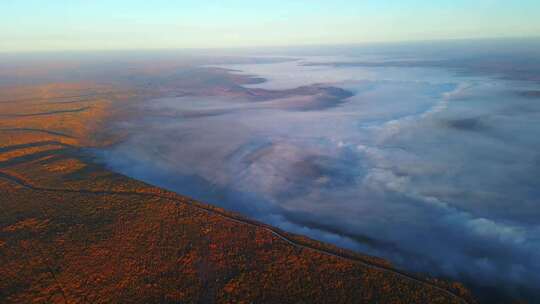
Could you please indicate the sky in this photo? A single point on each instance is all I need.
(38, 25)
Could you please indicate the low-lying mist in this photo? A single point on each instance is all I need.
(436, 170)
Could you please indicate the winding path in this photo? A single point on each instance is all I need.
(274, 231)
(45, 113)
(61, 97)
(34, 130)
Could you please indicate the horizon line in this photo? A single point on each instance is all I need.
(277, 46)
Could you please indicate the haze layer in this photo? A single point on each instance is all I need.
(427, 158)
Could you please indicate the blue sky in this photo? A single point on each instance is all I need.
(30, 25)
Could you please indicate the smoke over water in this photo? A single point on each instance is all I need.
(436, 170)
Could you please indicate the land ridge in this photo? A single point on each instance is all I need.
(245, 221)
